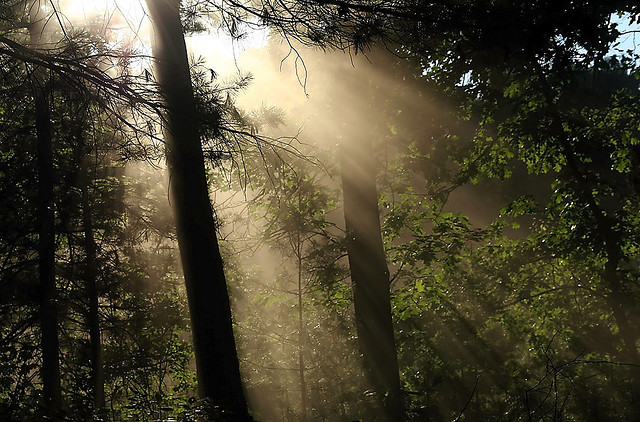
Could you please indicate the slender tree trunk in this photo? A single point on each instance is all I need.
(215, 350)
(91, 276)
(370, 275)
(628, 333)
(301, 333)
(616, 299)
(50, 371)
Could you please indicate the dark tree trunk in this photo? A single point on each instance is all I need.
(370, 275)
(617, 299)
(216, 359)
(50, 371)
(301, 330)
(91, 280)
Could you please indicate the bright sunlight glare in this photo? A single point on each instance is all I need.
(127, 19)
(120, 15)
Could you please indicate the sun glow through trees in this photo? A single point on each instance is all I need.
(125, 21)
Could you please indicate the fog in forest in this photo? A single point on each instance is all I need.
(322, 106)
(410, 229)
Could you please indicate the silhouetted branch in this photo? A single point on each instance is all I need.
(473, 392)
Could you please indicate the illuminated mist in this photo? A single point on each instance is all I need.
(444, 317)
(472, 328)
(329, 100)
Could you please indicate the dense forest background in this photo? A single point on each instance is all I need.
(319, 210)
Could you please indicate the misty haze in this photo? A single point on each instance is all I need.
(319, 210)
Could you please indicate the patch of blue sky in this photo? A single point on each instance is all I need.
(628, 43)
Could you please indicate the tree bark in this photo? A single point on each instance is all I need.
(215, 350)
(370, 276)
(50, 371)
(91, 276)
(301, 330)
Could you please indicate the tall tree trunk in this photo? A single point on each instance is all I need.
(91, 283)
(50, 371)
(370, 275)
(301, 331)
(215, 350)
